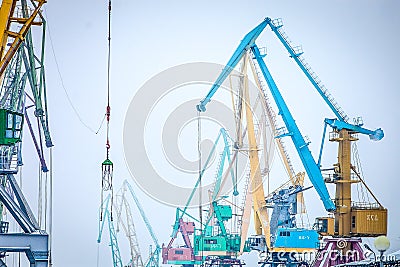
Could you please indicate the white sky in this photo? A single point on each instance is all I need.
(352, 45)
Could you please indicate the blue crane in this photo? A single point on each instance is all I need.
(348, 220)
(105, 210)
(312, 169)
(343, 132)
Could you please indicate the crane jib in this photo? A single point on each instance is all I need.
(308, 161)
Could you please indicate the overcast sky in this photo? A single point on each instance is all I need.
(352, 45)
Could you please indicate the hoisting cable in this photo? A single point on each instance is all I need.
(200, 174)
(50, 229)
(98, 255)
(96, 130)
(107, 165)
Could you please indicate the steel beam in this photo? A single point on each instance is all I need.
(35, 246)
(23, 204)
(22, 220)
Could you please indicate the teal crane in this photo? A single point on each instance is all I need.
(154, 257)
(191, 252)
(226, 153)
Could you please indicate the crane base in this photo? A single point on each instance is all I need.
(339, 251)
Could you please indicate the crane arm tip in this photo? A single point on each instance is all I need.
(377, 135)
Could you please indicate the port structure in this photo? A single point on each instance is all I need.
(23, 89)
(262, 224)
(261, 241)
(349, 219)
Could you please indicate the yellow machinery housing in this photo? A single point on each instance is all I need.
(368, 221)
(351, 219)
(325, 226)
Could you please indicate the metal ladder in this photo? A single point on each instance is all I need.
(272, 118)
(216, 172)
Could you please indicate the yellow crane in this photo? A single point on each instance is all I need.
(256, 191)
(7, 33)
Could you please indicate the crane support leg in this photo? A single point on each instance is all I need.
(343, 183)
(339, 251)
(16, 211)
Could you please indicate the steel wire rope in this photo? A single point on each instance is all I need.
(200, 178)
(64, 87)
(50, 206)
(40, 199)
(356, 156)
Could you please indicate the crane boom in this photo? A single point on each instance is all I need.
(339, 125)
(295, 53)
(244, 45)
(128, 226)
(144, 217)
(154, 257)
(342, 118)
(295, 179)
(312, 169)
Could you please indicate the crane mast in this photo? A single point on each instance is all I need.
(259, 205)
